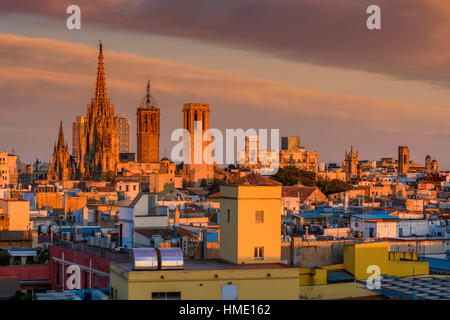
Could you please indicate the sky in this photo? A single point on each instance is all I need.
(309, 68)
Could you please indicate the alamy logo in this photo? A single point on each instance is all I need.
(74, 20)
(374, 280)
(374, 20)
(74, 279)
(207, 147)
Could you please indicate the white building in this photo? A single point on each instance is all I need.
(374, 225)
(142, 213)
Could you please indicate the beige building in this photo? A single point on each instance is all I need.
(293, 155)
(159, 175)
(295, 196)
(8, 170)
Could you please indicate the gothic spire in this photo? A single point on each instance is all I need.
(100, 88)
(61, 142)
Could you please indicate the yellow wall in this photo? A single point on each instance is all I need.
(312, 276)
(18, 214)
(242, 234)
(345, 290)
(360, 256)
(253, 284)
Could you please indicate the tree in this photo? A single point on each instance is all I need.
(4, 258)
(289, 176)
(43, 257)
(333, 186)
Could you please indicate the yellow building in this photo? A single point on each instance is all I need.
(250, 220)
(205, 280)
(14, 215)
(359, 257)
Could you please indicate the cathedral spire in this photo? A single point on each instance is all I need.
(100, 88)
(61, 141)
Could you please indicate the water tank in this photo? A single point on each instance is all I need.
(170, 258)
(144, 259)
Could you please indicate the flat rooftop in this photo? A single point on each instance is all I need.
(417, 288)
(216, 264)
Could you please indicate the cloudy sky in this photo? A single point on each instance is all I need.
(307, 67)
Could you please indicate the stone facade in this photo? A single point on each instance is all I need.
(196, 119)
(351, 163)
(148, 130)
(403, 160)
(61, 166)
(99, 143)
(293, 155)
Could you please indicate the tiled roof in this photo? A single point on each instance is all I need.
(254, 179)
(298, 191)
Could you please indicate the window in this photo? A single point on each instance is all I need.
(228, 215)
(259, 216)
(166, 295)
(259, 253)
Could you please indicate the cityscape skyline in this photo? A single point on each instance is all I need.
(313, 99)
(224, 150)
(166, 147)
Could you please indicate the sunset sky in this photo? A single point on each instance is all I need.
(308, 67)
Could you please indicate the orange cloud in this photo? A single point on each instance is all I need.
(412, 44)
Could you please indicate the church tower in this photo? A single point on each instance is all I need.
(196, 118)
(99, 143)
(196, 122)
(351, 163)
(60, 165)
(403, 160)
(148, 130)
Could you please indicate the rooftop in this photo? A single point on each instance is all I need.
(254, 179)
(368, 216)
(216, 264)
(417, 288)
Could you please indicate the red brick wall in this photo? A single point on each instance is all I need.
(28, 272)
(80, 258)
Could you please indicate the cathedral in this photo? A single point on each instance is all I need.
(61, 166)
(98, 152)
